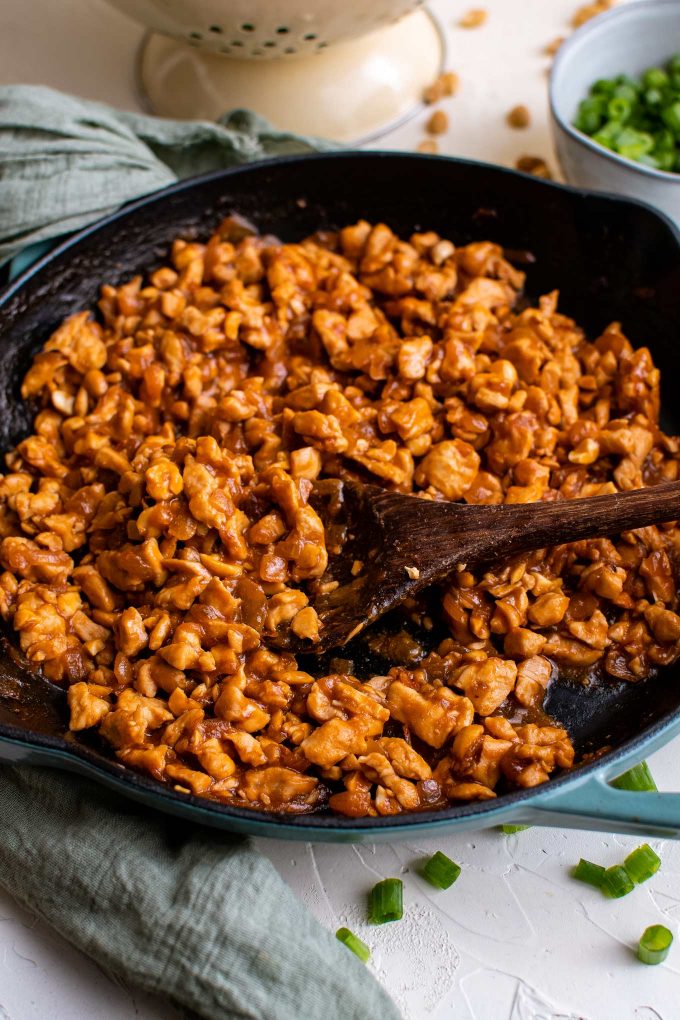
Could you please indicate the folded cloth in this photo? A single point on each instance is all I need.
(174, 908)
(65, 162)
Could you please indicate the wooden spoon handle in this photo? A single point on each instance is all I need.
(535, 525)
(443, 536)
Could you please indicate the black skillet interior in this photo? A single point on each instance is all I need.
(611, 260)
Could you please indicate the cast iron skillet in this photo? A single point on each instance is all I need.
(610, 258)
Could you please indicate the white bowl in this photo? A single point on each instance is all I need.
(625, 40)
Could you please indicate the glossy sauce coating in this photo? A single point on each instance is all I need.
(156, 528)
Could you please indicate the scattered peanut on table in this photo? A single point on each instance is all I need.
(445, 85)
(437, 123)
(429, 146)
(519, 117)
(590, 10)
(535, 165)
(474, 18)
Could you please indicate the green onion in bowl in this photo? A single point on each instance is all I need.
(638, 118)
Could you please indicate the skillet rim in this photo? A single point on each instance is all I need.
(86, 761)
(189, 183)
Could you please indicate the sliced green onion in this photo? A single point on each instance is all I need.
(664, 160)
(653, 97)
(633, 144)
(616, 882)
(627, 89)
(642, 863)
(671, 116)
(655, 78)
(440, 870)
(354, 943)
(634, 116)
(586, 871)
(611, 130)
(665, 141)
(591, 113)
(386, 901)
(654, 944)
(639, 779)
(603, 87)
(510, 829)
(626, 81)
(619, 108)
(604, 140)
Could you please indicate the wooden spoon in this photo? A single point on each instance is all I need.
(384, 546)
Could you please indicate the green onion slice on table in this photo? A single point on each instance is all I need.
(586, 871)
(616, 882)
(354, 943)
(386, 901)
(440, 870)
(642, 863)
(638, 779)
(654, 944)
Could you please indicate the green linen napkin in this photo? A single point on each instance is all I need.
(65, 162)
(175, 908)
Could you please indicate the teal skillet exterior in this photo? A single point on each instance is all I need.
(612, 259)
(581, 800)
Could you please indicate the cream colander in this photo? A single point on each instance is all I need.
(343, 69)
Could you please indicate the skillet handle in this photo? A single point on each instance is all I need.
(594, 804)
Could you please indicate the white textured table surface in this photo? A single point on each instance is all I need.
(515, 938)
